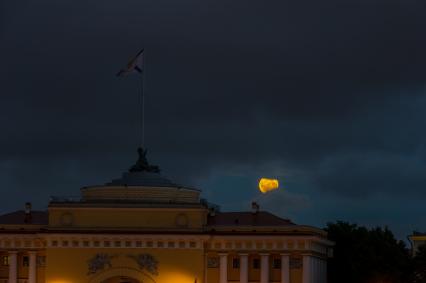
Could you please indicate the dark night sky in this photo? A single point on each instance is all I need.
(328, 96)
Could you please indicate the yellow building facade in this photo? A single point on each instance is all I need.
(417, 239)
(144, 228)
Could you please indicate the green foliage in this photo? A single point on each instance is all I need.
(364, 255)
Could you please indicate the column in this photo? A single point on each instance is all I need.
(325, 270)
(321, 271)
(243, 268)
(317, 275)
(223, 265)
(264, 268)
(205, 268)
(32, 272)
(13, 266)
(307, 269)
(285, 268)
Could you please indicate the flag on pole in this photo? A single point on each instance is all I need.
(134, 65)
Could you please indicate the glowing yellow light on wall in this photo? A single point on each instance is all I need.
(178, 277)
(267, 185)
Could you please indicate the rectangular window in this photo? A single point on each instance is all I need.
(236, 263)
(5, 260)
(212, 262)
(256, 263)
(25, 261)
(276, 263)
(296, 263)
(128, 244)
(41, 261)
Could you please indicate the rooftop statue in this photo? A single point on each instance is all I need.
(142, 164)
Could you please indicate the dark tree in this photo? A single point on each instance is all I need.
(364, 255)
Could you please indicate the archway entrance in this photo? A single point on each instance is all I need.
(121, 279)
(122, 275)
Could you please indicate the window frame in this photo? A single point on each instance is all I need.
(235, 263)
(5, 260)
(276, 263)
(256, 263)
(25, 261)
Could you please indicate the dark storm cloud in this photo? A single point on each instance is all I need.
(363, 174)
(333, 90)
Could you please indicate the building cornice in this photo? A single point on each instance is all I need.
(225, 244)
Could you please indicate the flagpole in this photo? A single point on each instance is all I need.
(133, 66)
(142, 110)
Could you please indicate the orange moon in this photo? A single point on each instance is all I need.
(267, 185)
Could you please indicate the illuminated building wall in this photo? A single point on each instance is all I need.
(144, 228)
(417, 240)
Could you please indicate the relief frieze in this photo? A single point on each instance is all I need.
(101, 261)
